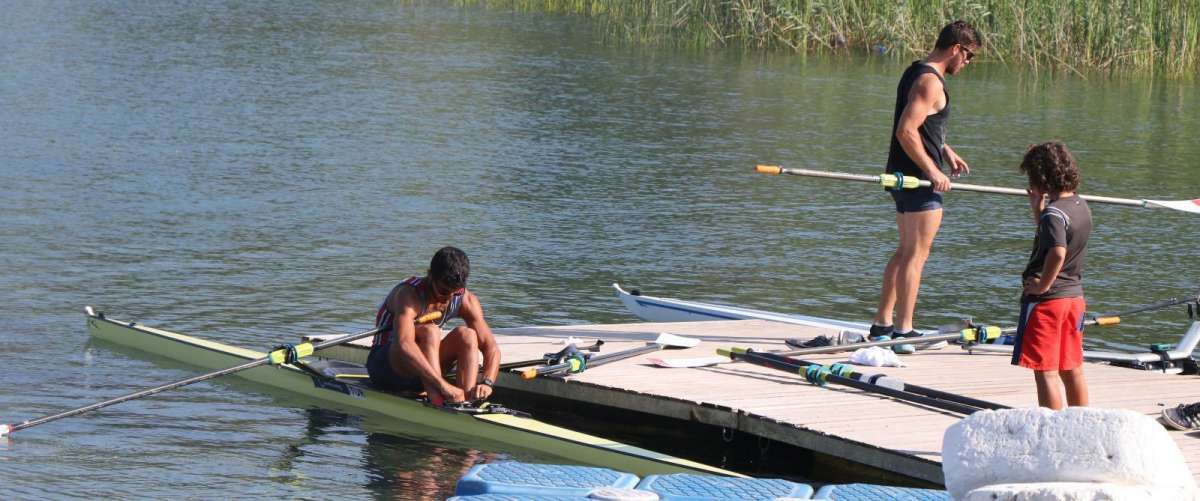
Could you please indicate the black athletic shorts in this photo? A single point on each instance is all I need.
(379, 367)
(918, 200)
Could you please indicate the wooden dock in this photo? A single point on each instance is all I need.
(863, 428)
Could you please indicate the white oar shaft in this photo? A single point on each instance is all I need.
(879, 179)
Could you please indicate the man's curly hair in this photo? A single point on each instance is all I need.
(450, 267)
(1051, 167)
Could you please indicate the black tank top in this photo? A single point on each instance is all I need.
(933, 131)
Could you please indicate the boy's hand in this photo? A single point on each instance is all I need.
(1034, 287)
(1037, 202)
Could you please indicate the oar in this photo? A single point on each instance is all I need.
(279, 356)
(909, 182)
(1115, 318)
(814, 368)
(553, 358)
(971, 334)
(827, 376)
(580, 362)
(982, 333)
(1192, 301)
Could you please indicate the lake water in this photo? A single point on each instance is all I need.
(251, 171)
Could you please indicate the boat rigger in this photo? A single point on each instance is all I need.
(491, 422)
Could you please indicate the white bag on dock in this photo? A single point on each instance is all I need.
(1080, 444)
(875, 357)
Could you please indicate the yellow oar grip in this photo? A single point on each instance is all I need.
(429, 317)
(769, 169)
(980, 334)
(730, 352)
(280, 356)
(1106, 321)
(890, 180)
(529, 373)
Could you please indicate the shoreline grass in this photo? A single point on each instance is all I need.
(1157, 37)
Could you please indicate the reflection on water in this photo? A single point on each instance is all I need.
(252, 171)
(393, 466)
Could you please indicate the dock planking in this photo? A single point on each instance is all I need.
(861, 427)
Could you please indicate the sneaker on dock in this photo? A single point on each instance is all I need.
(816, 342)
(1182, 417)
(906, 348)
(880, 333)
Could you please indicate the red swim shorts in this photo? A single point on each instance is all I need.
(1050, 334)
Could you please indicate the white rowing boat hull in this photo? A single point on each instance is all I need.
(658, 309)
(509, 429)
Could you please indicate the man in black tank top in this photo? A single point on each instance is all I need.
(919, 149)
(410, 357)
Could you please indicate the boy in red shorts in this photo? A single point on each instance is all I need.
(1050, 331)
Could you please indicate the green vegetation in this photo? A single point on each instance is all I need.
(1114, 36)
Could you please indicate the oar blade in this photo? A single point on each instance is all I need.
(675, 341)
(1189, 206)
(686, 363)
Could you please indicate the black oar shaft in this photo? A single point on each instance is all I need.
(135, 395)
(956, 407)
(913, 388)
(182, 382)
(1116, 317)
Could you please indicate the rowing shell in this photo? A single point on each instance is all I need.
(661, 309)
(499, 426)
(658, 309)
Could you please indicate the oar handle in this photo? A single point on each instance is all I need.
(552, 358)
(580, 362)
(575, 363)
(429, 317)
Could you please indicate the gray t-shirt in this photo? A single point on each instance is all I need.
(1066, 222)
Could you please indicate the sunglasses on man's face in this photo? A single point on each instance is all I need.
(439, 290)
(970, 53)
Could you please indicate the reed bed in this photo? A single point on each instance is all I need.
(1111, 36)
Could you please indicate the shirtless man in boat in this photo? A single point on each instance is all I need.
(919, 149)
(406, 356)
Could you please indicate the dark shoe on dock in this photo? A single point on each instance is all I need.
(816, 342)
(1182, 417)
